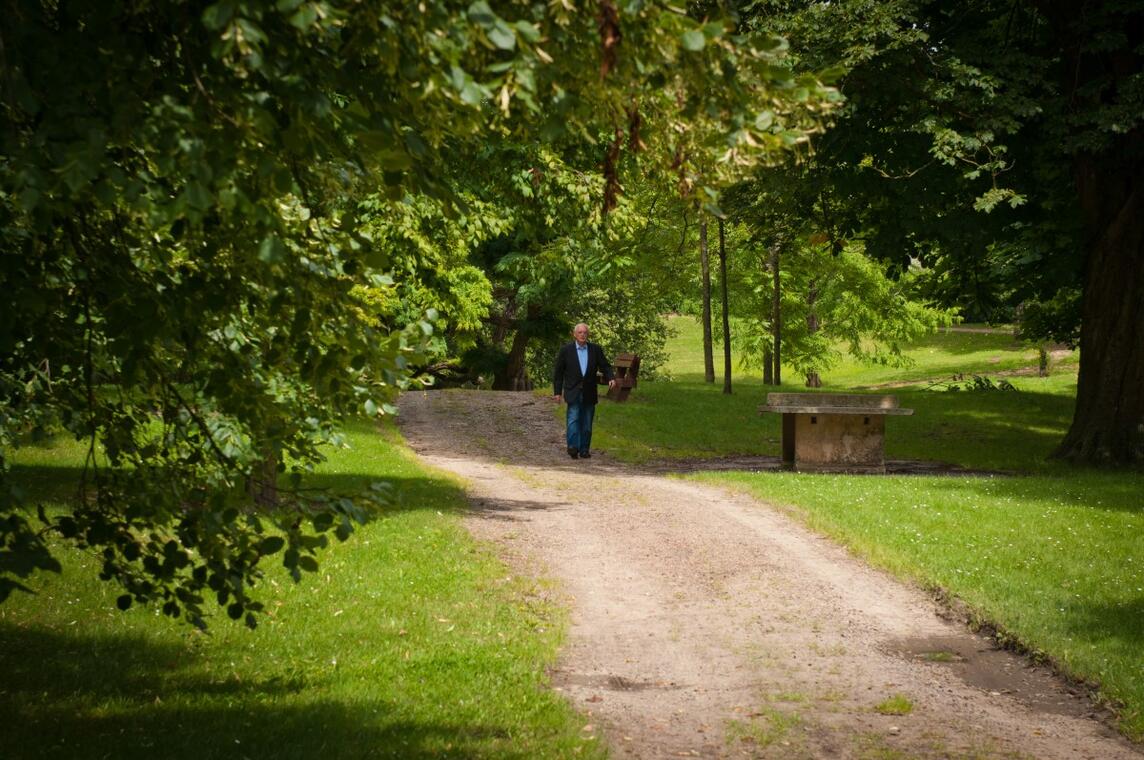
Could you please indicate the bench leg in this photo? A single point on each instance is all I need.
(788, 440)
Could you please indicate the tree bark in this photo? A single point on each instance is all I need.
(768, 356)
(812, 378)
(262, 483)
(1108, 421)
(705, 271)
(514, 376)
(776, 315)
(726, 316)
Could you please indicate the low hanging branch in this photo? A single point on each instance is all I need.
(611, 173)
(635, 121)
(608, 23)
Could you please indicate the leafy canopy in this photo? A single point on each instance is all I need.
(204, 207)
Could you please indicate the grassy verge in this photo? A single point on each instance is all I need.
(996, 430)
(411, 642)
(1052, 557)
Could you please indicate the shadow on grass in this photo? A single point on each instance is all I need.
(56, 484)
(46, 482)
(1087, 490)
(1123, 621)
(957, 343)
(76, 695)
(401, 493)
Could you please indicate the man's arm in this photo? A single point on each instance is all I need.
(605, 366)
(558, 374)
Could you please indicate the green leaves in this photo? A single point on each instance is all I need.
(201, 211)
(693, 40)
(496, 29)
(271, 250)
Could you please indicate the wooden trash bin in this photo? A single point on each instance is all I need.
(833, 432)
(627, 369)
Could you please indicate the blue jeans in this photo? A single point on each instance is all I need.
(578, 419)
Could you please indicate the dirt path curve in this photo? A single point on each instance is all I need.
(707, 624)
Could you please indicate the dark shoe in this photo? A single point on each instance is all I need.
(573, 452)
(585, 455)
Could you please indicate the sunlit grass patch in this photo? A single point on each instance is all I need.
(768, 727)
(895, 705)
(410, 641)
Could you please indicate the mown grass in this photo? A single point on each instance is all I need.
(999, 430)
(412, 641)
(1050, 555)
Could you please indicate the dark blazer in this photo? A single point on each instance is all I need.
(567, 379)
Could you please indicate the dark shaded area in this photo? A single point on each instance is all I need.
(48, 483)
(1121, 621)
(1123, 490)
(76, 695)
(968, 341)
(400, 493)
(60, 484)
(981, 663)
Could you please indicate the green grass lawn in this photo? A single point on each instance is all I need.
(1051, 556)
(412, 641)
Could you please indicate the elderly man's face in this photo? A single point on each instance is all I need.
(580, 333)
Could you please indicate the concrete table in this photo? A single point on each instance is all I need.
(833, 432)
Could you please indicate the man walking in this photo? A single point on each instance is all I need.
(575, 380)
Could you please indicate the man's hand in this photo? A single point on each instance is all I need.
(612, 383)
(557, 398)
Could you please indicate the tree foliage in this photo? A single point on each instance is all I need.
(998, 143)
(220, 219)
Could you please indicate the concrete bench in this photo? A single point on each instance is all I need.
(833, 432)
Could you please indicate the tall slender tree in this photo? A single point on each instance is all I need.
(705, 286)
(726, 311)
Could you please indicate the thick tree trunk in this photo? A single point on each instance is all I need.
(776, 316)
(513, 376)
(726, 316)
(1108, 422)
(705, 272)
(262, 483)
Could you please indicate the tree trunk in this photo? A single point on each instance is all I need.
(262, 483)
(812, 378)
(768, 356)
(514, 377)
(1108, 422)
(705, 270)
(776, 315)
(726, 316)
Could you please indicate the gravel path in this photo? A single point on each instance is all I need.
(707, 624)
